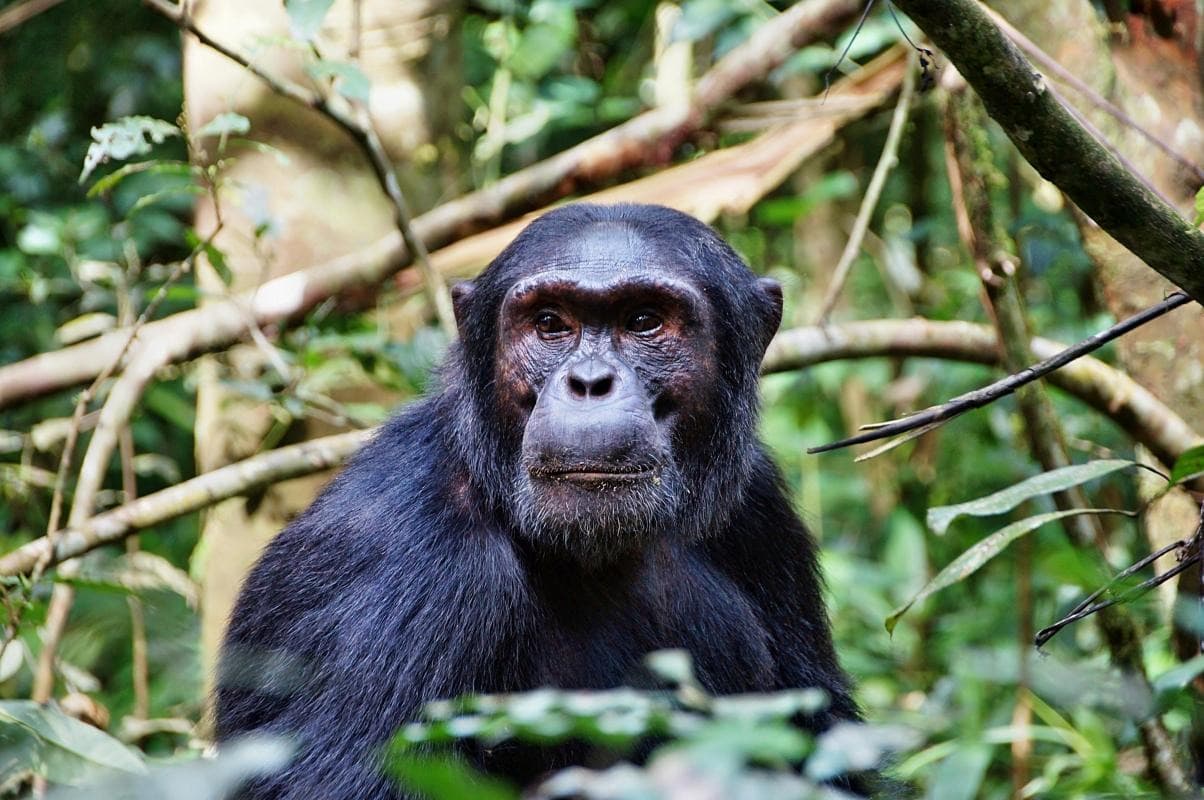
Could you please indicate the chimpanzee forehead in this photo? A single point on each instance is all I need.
(603, 251)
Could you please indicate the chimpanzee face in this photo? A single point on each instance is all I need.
(612, 355)
(605, 355)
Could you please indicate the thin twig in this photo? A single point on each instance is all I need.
(357, 124)
(139, 665)
(88, 483)
(1001, 388)
(886, 162)
(1189, 556)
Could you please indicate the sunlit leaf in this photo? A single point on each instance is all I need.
(349, 80)
(960, 776)
(674, 666)
(129, 136)
(1056, 480)
(1178, 677)
(171, 191)
(854, 747)
(85, 326)
(108, 182)
(217, 260)
(195, 779)
(225, 124)
(971, 560)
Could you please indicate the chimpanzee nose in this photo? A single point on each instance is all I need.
(591, 379)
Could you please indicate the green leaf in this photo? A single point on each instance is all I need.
(849, 747)
(1199, 206)
(110, 181)
(445, 778)
(1178, 677)
(969, 562)
(305, 17)
(350, 81)
(65, 749)
(1188, 465)
(225, 124)
(701, 18)
(123, 139)
(960, 776)
(171, 191)
(551, 35)
(217, 260)
(1056, 480)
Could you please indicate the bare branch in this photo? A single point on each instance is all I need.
(358, 125)
(1049, 64)
(1001, 388)
(20, 13)
(191, 495)
(886, 162)
(649, 137)
(1105, 389)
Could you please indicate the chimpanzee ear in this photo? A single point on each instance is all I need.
(461, 293)
(771, 292)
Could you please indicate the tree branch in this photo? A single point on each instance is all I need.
(1105, 389)
(1048, 135)
(355, 123)
(649, 137)
(980, 397)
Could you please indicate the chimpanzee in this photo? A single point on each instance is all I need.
(585, 486)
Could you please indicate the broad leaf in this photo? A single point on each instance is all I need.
(1176, 678)
(64, 749)
(1188, 465)
(1056, 480)
(969, 562)
(445, 778)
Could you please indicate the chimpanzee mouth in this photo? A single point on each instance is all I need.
(594, 474)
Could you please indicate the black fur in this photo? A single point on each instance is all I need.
(408, 579)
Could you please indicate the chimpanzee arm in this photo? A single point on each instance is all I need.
(384, 595)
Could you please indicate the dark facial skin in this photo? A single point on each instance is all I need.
(603, 365)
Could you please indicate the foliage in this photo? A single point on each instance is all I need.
(734, 746)
(95, 93)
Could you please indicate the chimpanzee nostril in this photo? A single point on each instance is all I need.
(591, 380)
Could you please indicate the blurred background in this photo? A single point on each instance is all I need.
(148, 180)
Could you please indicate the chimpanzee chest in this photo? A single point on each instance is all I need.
(598, 629)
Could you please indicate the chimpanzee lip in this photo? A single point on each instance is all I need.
(594, 473)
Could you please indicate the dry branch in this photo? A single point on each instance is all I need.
(932, 417)
(1105, 389)
(647, 138)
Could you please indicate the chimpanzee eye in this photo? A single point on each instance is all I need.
(643, 322)
(549, 323)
